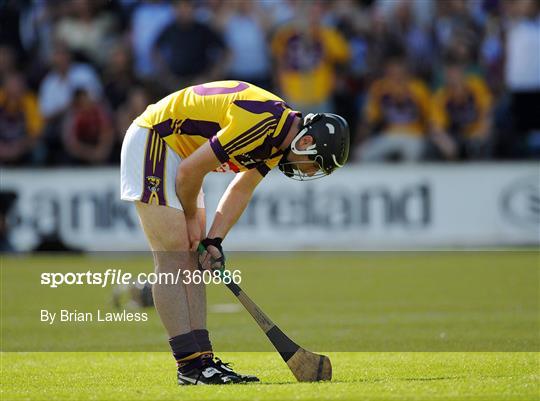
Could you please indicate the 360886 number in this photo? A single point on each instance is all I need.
(211, 277)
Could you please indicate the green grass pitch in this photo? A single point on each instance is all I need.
(408, 326)
(357, 376)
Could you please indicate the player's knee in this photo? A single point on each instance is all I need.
(164, 227)
(168, 242)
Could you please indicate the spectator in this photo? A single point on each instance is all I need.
(174, 44)
(87, 30)
(57, 87)
(38, 25)
(20, 121)
(10, 25)
(279, 11)
(212, 12)
(55, 97)
(119, 78)
(87, 131)
(414, 37)
(454, 21)
(7, 61)
(147, 22)
(492, 55)
(133, 107)
(188, 51)
(135, 104)
(422, 11)
(397, 112)
(349, 93)
(523, 77)
(245, 28)
(306, 55)
(354, 24)
(461, 116)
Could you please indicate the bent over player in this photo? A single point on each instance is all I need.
(219, 126)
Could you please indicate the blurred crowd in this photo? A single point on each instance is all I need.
(416, 79)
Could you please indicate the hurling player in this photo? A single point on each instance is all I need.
(219, 126)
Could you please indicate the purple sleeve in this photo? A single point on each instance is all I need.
(263, 169)
(216, 146)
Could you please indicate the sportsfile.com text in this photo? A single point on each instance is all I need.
(119, 277)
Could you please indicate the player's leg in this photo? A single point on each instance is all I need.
(145, 165)
(165, 230)
(196, 295)
(148, 170)
(197, 311)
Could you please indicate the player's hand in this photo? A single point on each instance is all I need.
(211, 256)
(194, 233)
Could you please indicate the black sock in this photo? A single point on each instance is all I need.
(203, 340)
(185, 348)
(186, 366)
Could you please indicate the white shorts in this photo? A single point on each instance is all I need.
(148, 169)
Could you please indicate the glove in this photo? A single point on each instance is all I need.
(211, 256)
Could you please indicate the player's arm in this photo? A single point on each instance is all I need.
(233, 202)
(189, 179)
(240, 136)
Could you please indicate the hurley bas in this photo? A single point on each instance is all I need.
(64, 316)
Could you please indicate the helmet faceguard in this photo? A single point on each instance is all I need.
(329, 151)
(292, 170)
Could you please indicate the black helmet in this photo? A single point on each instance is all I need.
(330, 148)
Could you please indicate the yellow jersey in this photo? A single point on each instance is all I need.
(464, 115)
(307, 64)
(245, 124)
(402, 109)
(21, 117)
